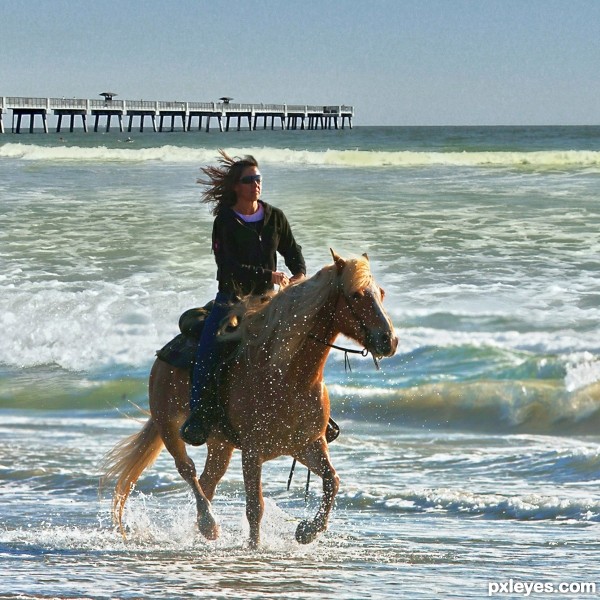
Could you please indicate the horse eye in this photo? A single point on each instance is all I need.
(357, 295)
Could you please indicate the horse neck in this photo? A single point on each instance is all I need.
(321, 333)
(286, 339)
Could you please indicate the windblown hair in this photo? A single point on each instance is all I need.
(273, 329)
(221, 180)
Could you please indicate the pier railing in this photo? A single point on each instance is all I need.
(12, 102)
(16, 102)
(68, 103)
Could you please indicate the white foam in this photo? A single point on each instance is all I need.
(86, 329)
(583, 369)
(524, 507)
(338, 158)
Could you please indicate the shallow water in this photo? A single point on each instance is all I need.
(419, 515)
(471, 458)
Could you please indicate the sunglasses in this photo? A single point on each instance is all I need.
(251, 179)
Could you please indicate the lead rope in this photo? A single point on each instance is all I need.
(307, 481)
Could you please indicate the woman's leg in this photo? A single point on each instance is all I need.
(196, 429)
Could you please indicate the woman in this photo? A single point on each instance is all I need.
(247, 235)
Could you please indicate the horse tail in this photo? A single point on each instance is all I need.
(127, 461)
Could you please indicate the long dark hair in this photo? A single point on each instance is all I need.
(221, 180)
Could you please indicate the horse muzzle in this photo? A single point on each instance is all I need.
(382, 343)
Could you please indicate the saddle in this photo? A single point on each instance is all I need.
(180, 352)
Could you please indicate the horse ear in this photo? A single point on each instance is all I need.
(366, 255)
(338, 260)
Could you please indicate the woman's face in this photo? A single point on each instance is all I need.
(249, 186)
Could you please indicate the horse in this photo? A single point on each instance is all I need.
(273, 396)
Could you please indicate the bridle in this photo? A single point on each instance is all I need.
(363, 327)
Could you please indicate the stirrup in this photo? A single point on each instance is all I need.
(332, 432)
(195, 431)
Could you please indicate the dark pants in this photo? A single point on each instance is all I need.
(207, 355)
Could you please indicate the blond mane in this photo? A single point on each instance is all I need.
(273, 329)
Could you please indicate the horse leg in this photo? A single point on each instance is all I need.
(316, 458)
(207, 523)
(255, 506)
(217, 461)
(169, 404)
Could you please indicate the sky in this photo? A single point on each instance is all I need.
(398, 62)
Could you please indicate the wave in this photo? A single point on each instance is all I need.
(541, 407)
(533, 507)
(538, 407)
(547, 159)
(466, 388)
(168, 153)
(53, 389)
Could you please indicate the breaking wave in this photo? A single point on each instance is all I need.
(533, 507)
(542, 407)
(548, 159)
(538, 407)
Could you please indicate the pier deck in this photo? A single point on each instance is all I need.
(188, 114)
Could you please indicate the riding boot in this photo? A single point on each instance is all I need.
(197, 428)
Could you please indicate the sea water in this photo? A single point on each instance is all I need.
(469, 464)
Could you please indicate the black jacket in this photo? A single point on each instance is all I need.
(246, 257)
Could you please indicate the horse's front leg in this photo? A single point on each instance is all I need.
(255, 506)
(217, 460)
(316, 458)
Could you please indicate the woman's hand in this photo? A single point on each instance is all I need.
(279, 278)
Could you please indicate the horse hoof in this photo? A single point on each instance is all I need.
(209, 528)
(306, 532)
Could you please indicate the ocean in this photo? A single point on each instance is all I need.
(469, 464)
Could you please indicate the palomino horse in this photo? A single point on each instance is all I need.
(274, 398)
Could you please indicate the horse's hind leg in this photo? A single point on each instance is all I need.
(207, 523)
(316, 458)
(169, 393)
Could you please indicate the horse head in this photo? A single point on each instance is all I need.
(359, 309)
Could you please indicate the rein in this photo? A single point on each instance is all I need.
(346, 351)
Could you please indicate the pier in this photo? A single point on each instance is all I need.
(169, 115)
